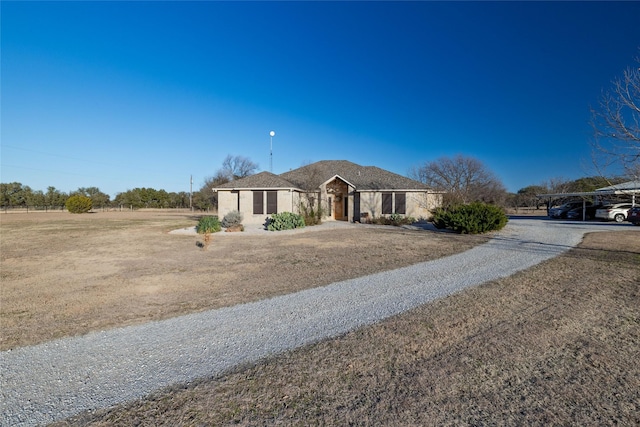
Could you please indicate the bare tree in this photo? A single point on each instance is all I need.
(205, 198)
(557, 185)
(233, 168)
(464, 179)
(616, 124)
(236, 167)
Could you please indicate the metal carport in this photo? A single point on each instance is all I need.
(629, 188)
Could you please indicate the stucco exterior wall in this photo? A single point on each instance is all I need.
(371, 203)
(296, 199)
(418, 203)
(246, 208)
(422, 203)
(285, 201)
(227, 202)
(243, 201)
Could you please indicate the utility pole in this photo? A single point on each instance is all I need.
(191, 194)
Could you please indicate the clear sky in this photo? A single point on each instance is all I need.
(119, 95)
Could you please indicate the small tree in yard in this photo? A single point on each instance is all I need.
(310, 206)
(207, 225)
(79, 204)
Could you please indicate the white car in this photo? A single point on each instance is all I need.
(617, 212)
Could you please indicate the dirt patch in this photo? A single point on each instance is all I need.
(66, 275)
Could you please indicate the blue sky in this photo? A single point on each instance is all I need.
(119, 95)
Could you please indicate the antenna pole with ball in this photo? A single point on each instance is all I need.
(271, 134)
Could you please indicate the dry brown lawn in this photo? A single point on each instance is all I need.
(65, 275)
(557, 344)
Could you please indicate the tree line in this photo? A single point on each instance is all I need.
(17, 195)
(463, 180)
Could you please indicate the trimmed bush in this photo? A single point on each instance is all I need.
(79, 204)
(393, 219)
(284, 221)
(399, 219)
(208, 224)
(232, 219)
(474, 218)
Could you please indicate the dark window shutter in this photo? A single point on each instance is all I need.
(401, 203)
(346, 206)
(258, 202)
(272, 202)
(387, 203)
(356, 206)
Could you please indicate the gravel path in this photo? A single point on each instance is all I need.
(61, 378)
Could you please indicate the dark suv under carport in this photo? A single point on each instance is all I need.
(561, 211)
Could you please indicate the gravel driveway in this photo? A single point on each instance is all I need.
(61, 378)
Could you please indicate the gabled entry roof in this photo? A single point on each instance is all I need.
(337, 177)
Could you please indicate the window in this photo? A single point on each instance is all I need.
(258, 202)
(401, 203)
(391, 200)
(387, 203)
(272, 202)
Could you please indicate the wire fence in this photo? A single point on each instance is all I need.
(121, 208)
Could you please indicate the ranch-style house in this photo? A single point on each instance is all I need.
(342, 190)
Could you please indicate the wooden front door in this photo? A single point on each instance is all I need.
(338, 207)
(339, 191)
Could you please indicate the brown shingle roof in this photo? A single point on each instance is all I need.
(310, 177)
(362, 177)
(260, 180)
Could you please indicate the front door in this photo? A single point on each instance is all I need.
(338, 193)
(338, 207)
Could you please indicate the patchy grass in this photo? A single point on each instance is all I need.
(65, 275)
(557, 344)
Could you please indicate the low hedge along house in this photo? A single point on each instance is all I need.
(342, 190)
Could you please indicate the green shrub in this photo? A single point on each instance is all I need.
(474, 218)
(393, 219)
(79, 204)
(232, 219)
(311, 215)
(284, 221)
(208, 224)
(399, 219)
